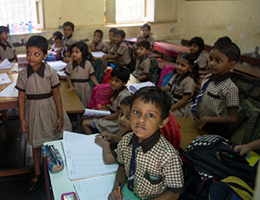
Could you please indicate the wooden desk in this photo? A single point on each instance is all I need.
(162, 64)
(170, 49)
(109, 60)
(247, 69)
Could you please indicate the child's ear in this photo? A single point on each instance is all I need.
(164, 122)
(45, 56)
(232, 64)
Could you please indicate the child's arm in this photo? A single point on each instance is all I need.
(138, 38)
(246, 148)
(112, 116)
(57, 99)
(185, 99)
(110, 56)
(21, 103)
(167, 194)
(143, 77)
(110, 136)
(120, 178)
(166, 88)
(94, 80)
(71, 87)
(93, 46)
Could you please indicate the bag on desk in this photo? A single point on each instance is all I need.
(52, 158)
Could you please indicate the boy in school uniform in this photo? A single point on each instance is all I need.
(111, 38)
(217, 104)
(145, 35)
(68, 40)
(147, 161)
(143, 63)
(6, 49)
(97, 43)
(120, 50)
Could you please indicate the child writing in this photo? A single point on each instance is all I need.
(111, 38)
(143, 63)
(97, 43)
(158, 174)
(68, 40)
(41, 114)
(6, 48)
(217, 104)
(119, 77)
(182, 85)
(79, 71)
(145, 35)
(107, 140)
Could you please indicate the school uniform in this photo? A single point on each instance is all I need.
(122, 51)
(7, 51)
(143, 67)
(40, 111)
(79, 75)
(202, 62)
(149, 38)
(158, 165)
(101, 46)
(220, 95)
(109, 47)
(67, 42)
(112, 125)
(184, 85)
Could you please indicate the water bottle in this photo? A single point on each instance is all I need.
(16, 28)
(23, 27)
(30, 26)
(12, 29)
(60, 23)
(155, 77)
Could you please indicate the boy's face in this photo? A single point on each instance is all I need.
(67, 30)
(67, 58)
(118, 39)
(145, 31)
(219, 64)
(4, 36)
(97, 37)
(145, 119)
(111, 36)
(116, 83)
(194, 48)
(183, 66)
(76, 54)
(141, 51)
(34, 56)
(58, 42)
(124, 118)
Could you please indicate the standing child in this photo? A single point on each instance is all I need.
(40, 108)
(79, 71)
(217, 104)
(6, 48)
(68, 40)
(119, 78)
(147, 161)
(111, 38)
(143, 63)
(145, 35)
(97, 43)
(182, 85)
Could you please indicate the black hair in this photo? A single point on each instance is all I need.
(58, 37)
(66, 49)
(121, 72)
(69, 24)
(223, 39)
(230, 49)
(4, 29)
(57, 33)
(146, 26)
(100, 32)
(39, 42)
(198, 41)
(156, 96)
(192, 61)
(113, 30)
(82, 46)
(126, 101)
(120, 32)
(144, 44)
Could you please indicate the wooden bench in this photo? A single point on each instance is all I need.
(170, 49)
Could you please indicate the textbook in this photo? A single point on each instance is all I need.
(9, 91)
(57, 65)
(5, 64)
(98, 54)
(136, 86)
(4, 79)
(92, 112)
(252, 157)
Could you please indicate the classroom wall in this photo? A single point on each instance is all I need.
(212, 19)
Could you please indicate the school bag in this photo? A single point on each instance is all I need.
(166, 75)
(172, 132)
(132, 54)
(99, 67)
(107, 76)
(230, 188)
(100, 98)
(154, 71)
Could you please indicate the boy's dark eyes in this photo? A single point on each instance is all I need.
(128, 116)
(150, 115)
(136, 112)
(121, 114)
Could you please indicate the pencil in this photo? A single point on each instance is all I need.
(119, 189)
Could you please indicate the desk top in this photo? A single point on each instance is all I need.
(170, 49)
(247, 69)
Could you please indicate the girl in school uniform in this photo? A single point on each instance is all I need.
(182, 85)
(79, 71)
(42, 117)
(119, 77)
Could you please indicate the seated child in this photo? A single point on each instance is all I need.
(120, 50)
(119, 78)
(145, 35)
(111, 38)
(67, 59)
(182, 85)
(68, 40)
(6, 48)
(217, 104)
(54, 47)
(143, 63)
(159, 171)
(97, 43)
(80, 71)
(107, 140)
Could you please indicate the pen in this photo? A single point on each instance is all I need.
(119, 189)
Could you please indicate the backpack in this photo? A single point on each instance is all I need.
(132, 54)
(154, 71)
(172, 132)
(247, 127)
(101, 95)
(99, 67)
(230, 188)
(107, 76)
(166, 75)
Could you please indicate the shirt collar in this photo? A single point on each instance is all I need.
(148, 143)
(4, 46)
(180, 79)
(69, 37)
(40, 71)
(220, 78)
(82, 63)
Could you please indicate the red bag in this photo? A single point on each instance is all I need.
(172, 132)
(107, 76)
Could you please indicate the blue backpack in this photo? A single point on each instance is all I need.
(166, 75)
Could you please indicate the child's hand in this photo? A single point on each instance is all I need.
(104, 57)
(23, 126)
(107, 136)
(138, 37)
(71, 89)
(114, 195)
(59, 125)
(171, 110)
(101, 141)
(242, 149)
(202, 122)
